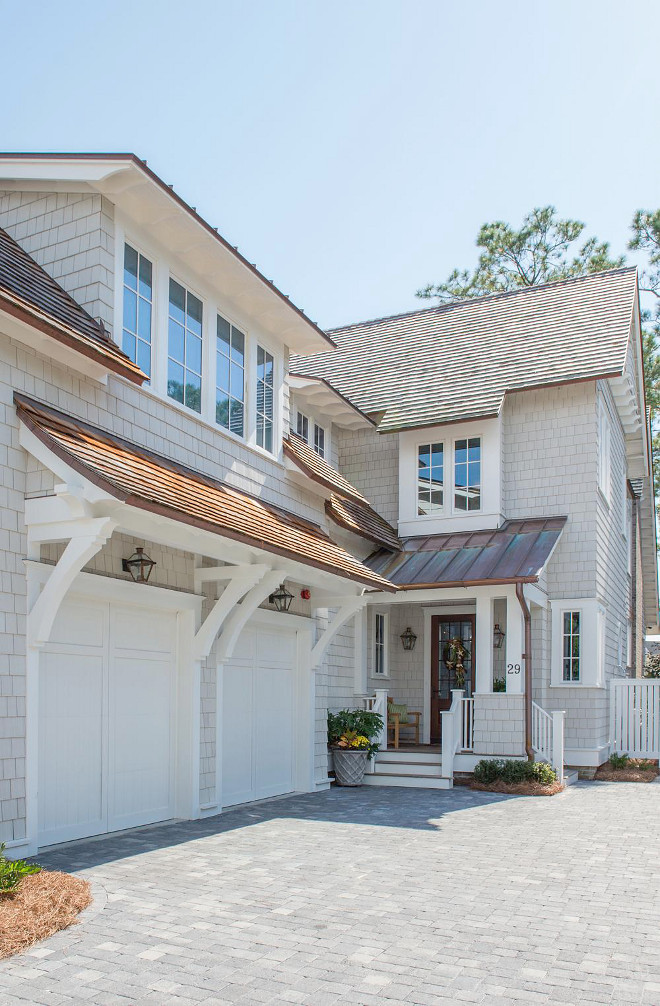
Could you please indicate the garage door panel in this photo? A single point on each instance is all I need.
(276, 647)
(274, 731)
(71, 740)
(143, 630)
(84, 624)
(140, 784)
(237, 763)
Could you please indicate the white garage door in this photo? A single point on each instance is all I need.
(258, 716)
(106, 720)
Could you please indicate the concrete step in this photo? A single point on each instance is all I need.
(415, 781)
(570, 776)
(401, 767)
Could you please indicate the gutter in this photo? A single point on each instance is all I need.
(528, 668)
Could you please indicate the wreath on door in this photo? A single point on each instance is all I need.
(454, 655)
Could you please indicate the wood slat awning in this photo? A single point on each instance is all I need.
(318, 469)
(515, 552)
(148, 481)
(362, 520)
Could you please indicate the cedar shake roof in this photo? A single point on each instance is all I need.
(457, 361)
(30, 294)
(362, 520)
(148, 481)
(516, 551)
(313, 465)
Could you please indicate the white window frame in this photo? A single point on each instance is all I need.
(153, 344)
(592, 642)
(430, 443)
(204, 340)
(302, 419)
(382, 647)
(456, 511)
(318, 428)
(604, 452)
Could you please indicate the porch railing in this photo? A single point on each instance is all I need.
(548, 738)
(635, 717)
(377, 703)
(452, 732)
(467, 725)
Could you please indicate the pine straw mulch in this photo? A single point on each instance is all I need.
(43, 904)
(519, 788)
(636, 770)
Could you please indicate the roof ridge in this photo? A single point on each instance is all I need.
(521, 291)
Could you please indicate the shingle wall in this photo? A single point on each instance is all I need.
(370, 462)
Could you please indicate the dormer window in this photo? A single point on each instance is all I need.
(467, 474)
(302, 426)
(137, 308)
(184, 363)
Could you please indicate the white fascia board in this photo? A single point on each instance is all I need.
(319, 395)
(49, 347)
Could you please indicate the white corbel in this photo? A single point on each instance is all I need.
(77, 553)
(240, 579)
(346, 611)
(235, 622)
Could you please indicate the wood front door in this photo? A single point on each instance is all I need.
(444, 628)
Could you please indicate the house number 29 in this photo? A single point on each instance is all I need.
(513, 668)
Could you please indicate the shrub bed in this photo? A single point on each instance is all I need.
(621, 768)
(523, 778)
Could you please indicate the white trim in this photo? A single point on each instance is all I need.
(385, 673)
(592, 642)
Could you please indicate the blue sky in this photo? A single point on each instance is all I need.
(353, 148)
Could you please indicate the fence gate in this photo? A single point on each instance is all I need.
(635, 717)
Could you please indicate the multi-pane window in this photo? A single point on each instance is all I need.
(430, 478)
(265, 385)
(302, 426)
(138, 302)
(571, 646)
(230, 377)
(380, 644)
(467, 474)
(184, 364)
(319, 440)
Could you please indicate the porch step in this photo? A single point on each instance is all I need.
(401, 767)
(570, 776)
(391, 755)
(402, 779)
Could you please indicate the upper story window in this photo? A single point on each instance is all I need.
(265, 385)
(467, 474)
(430, 478)
(604, 474)
(571, 646)
(184, 364)
(137, 307)
(303, 427)
(230, 377)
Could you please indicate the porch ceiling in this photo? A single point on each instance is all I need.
(516, 551)
(150, 482)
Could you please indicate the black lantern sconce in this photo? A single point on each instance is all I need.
(498, 637)
(408, 639)
(281, 598)
(139, 565)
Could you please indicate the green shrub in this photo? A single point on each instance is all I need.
(619, 761)
(355, 721)
(12, 871)
(490, 770)
(499, 685)
(652, 665)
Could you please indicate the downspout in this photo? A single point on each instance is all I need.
(528, 669)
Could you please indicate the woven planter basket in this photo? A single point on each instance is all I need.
(349, 767)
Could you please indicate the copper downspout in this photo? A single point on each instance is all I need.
(527, 656)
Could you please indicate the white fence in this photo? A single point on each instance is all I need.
(635, 717)
(548, 738)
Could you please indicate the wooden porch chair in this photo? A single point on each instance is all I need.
(398, 716)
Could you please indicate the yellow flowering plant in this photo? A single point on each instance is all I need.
(353, 741)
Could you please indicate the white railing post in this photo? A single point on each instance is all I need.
(467, 724)
(380, 706)
(558, 743)
(451, 732)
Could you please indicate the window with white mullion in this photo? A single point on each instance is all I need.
(571, 646)
(230, 377)
(265, 404)
(380, 644)
(137, 308)
(430, 478)
(467, 474)
(302, 426)
(319, 440)
(184, 353)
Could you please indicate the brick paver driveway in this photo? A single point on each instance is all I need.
(372, 896)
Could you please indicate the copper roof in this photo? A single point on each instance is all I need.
(516, 551)
(457, 361)
(313, 465)
(362, 520)
(148, 481)
(29, 293)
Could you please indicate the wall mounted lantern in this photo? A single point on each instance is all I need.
(498, 637)
(281, 598)
(408, 639)
(139, 565)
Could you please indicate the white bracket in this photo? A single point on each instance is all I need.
(347, 610)
(79, 551)
(240, 580)
(235, 622)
